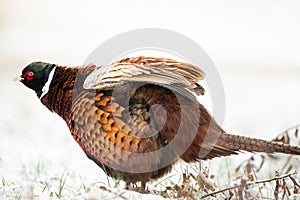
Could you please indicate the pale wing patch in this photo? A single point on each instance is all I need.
(169, 73)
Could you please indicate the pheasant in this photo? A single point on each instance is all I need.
(138, 116)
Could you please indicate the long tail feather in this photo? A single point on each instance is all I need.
(237, 143)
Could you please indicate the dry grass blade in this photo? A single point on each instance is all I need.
(250, 184)
(241, 188)
(286, 190)
(62, 182)
(276, 191)
(285, 136)
(294, 181)
(261, 163)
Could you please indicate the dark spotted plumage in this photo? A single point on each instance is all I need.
(134, 106)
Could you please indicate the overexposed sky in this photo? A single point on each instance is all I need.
(257, 33)
(254, 44)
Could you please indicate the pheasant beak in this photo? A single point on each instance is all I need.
(18, 78)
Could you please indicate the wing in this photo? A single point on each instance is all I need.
(177, 76)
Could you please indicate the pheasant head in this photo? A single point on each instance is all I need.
(37, 76)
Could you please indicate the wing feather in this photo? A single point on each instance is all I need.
(178, 76)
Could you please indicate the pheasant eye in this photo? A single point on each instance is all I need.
(29, 75)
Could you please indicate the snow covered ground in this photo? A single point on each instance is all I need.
(37, 152)
(257, 57)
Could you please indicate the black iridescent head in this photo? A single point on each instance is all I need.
(36, 75)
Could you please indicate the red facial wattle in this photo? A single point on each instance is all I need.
(28, 75)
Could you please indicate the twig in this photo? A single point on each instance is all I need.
(291, 128)
(251, 183)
